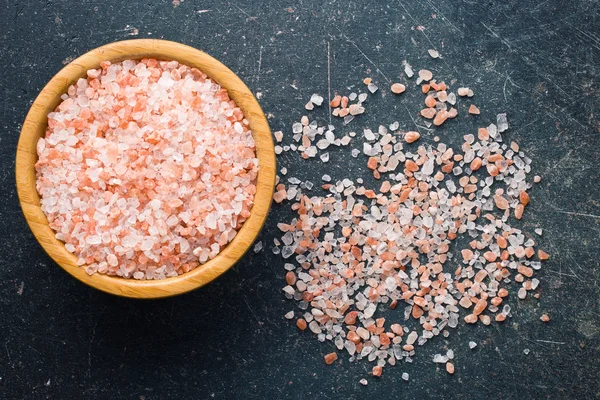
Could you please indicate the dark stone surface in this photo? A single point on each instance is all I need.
(536, 60)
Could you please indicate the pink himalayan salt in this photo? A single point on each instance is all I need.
(147, 169)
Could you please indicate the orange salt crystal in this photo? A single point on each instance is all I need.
(353, 337)
(524, 198)
(519, 211)
(301, 324)
(450, 368)
(350, 318)
(411, 136)
(290, 278)
(500, 317)
(474, 110)
(482, 134)
(425, 88)
(496, 301)
(502, 242)
(495, 157)
(279, 196)
(377, 370)
(545, 318)
(500, 202)
(467, 254)
(471, 319)
(440, 117)
(411, 166)
(417, 312)
(490, 256)
(479, 306)
(452, 113)
(529, 252)
(430, 101)
(475, 164)
(542, 255)
(442, 96)
(465, 302)
(336, 101)
(330, 358)
(397, 329)
(398, 88)
(367, 81)
(502, 292)
(372, 163)
(428, 113)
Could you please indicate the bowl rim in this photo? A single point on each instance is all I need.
(35, 125)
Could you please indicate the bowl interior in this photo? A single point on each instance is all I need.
(35, 126)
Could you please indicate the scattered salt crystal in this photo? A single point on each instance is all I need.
(309, 106)
(289, 315)
(364, 382)
(502, 122)
(258, 246)
(316, 99)
(324, 157)
(538, 231)
(472, 345)
(372, 87)
(405, 376)
(433, 53)
(526, 351)
(408, 70)
(369, 135)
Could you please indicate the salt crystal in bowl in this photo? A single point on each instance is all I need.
(35, 126)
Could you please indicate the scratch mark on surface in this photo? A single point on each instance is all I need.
(259, 63)
(251, 310)
(497, 36)
(438, 12)
(202, 11)
(366, 57)
(577, 214)
(549, 341)
(329, 79)
(8, 354)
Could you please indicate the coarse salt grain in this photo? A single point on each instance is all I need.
(147, 169)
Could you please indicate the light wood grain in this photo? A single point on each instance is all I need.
(36, 123)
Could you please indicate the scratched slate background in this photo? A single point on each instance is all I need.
(537, 61)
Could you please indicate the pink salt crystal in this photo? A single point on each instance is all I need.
(169, 172)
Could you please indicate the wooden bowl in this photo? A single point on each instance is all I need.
(35, 126)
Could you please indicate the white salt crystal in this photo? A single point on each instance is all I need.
(316, 99)
(502, 122)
